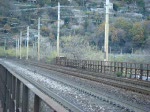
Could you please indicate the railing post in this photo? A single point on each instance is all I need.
(118, 67)
(135, 71)
(122, 67)
(7, 101)
(25, 99)
(36, 103)
(98, 66)
(66, 62)
(13, 94)
(13, 87)
(101, 67)
(5, 91)
(126, 72)
(104, 66)
(111, 66)
(8, 92)
(88, 65)
(147, 72)
(18, 95)
(130, 70)
(91, 66)
(114, 66)
(79, 64)
(141, 71)
(1, 85)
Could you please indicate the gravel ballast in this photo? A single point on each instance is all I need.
(83, 101)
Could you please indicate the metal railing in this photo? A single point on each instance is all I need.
(15, 97)
(125, 69)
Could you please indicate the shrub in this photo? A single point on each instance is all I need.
(2, 53)
(52, 56)
(119, 74)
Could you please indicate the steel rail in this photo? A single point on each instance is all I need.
(102, 75)
(110, 100)
(115, 102)
(134, 88)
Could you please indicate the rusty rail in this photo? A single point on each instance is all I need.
(14, 94)
(124, 68)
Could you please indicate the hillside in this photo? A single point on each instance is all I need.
(129, 22)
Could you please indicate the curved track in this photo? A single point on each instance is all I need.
(128, 84)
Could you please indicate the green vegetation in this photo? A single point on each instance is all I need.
(126, 34)
(4, 7)
(2, 53)
(119, 74)
(115, 6)
(80, 38)
(11, 52)
(134, 58)
(52, 56)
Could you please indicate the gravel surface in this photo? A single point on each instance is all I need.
(132, 98)
(85, 102)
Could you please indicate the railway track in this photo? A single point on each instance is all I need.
(60, 100)
(119, 106)
(138, 86)
(102, 98)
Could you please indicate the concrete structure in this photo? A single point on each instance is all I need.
(14, 94)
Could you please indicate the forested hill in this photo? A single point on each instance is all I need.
(129, 21)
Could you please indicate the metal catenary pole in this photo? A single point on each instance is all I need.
(32, 49)
(20, 44)
(106, 31)
(58, 29)
(5, 46)
(27, 43)
(18, 47)
(38, 39)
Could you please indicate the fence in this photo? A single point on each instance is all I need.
(131, 70)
